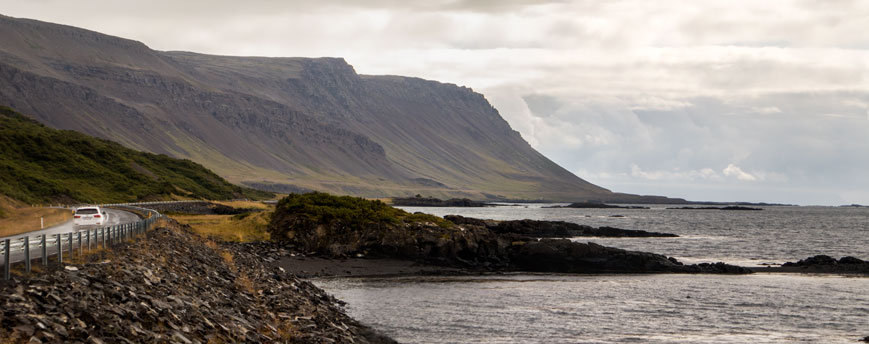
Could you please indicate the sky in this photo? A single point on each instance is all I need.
(763, 101)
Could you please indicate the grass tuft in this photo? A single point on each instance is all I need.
(230, 228)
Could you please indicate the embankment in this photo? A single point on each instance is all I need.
(172, 286)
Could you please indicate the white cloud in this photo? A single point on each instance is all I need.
(704, 174)
(734, 171)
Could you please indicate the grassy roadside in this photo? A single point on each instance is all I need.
(245, 227)
(245, 204)
(22, 220)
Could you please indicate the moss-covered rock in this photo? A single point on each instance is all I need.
(339, 226)
(334, 226)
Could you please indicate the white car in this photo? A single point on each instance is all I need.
(89, 216)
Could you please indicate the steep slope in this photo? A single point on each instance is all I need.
(40, 164)
(286, 123)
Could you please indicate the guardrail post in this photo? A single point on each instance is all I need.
(89, 239)
(44, 250)
(27, 254)
(6, 262)
(69, 237)
(80, 252)
(59, 248)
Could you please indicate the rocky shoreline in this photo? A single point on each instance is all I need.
(593, 205)
(732, 207)
(342, 227)
(173, 286)
(553, 229)
(419, 201)
(822, 264)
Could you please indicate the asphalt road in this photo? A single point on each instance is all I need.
(115, 217)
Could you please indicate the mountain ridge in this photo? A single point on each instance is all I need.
(298, 123)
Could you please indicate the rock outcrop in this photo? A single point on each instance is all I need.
(827, 264)
(596, 205)
(341, 227)
(731, 207)
(562, 255)
(552, 229)
(172, 286)
(435, 202)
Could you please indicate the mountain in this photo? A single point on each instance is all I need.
(284, 124)
(40, 164)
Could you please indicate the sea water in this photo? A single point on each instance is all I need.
(654, 308)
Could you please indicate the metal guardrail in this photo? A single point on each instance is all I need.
(55, 244)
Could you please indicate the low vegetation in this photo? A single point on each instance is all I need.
(245, 227)
(246, 205)
(24, 220)
(40, 164)
(324, 208)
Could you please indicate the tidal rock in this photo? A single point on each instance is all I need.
(552, 229)
(827, 264)
(595, 205)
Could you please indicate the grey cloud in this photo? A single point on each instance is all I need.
(717, 147)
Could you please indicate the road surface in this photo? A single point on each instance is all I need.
(115, 217)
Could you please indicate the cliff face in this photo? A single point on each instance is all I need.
(288, 123)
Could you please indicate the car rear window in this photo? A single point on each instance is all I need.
(86, 211)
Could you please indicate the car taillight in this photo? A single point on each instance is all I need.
(95, 216)
(78, 216)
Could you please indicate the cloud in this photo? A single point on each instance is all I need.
(734, 171)
(676, 175)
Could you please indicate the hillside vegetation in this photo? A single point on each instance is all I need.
(40, 164)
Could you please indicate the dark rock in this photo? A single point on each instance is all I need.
(732, 207)
(816, 260)
(419, 201)
(562, 255)
(827, 264)
(851, 260)
(551, 229)
(594, 205)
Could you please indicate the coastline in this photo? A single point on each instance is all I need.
(307, 267)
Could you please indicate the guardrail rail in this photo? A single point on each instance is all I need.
(46, 245)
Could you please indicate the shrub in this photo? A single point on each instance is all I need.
(323, 208)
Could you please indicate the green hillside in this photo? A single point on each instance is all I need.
(40, 164)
